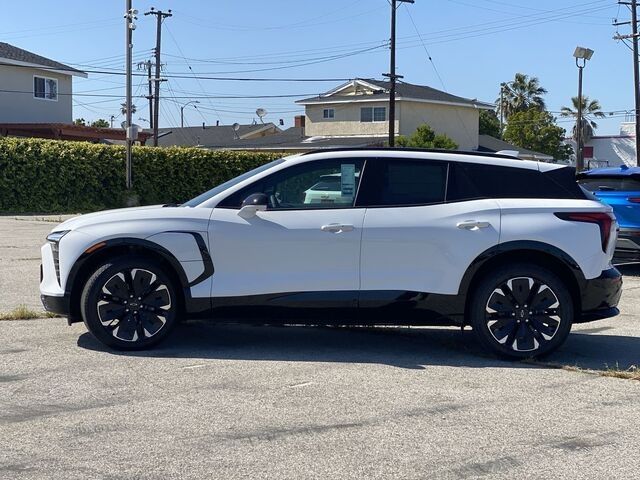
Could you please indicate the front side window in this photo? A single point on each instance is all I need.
(328, 113)
(396, 183)
(314, 185)
(46, 88)
(373, 114)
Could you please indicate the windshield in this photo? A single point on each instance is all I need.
(230, 183)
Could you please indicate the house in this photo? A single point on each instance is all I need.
(609, 150)
(34, 89)
(490, 144)
(209, 136)
(360, 108)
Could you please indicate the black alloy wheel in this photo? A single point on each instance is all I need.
(522, 311)
(129, 304)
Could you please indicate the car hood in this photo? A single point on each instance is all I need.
(143, 220)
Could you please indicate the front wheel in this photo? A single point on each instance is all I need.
(521, 311)
(129, 303)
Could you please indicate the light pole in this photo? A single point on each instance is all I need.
(582, 55)
(182, 111)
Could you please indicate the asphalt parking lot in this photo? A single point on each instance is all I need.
(226, 402)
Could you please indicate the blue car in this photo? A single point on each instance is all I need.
(620, 188)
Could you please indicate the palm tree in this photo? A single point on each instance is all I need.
(590, 109)
(521, 94)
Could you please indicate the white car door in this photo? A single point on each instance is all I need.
(412, 240)
(302, 243)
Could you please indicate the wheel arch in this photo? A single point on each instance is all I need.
(89, 261)
(538, 253)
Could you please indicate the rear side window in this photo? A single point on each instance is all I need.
(395, 183)
(610, 183)
(472, 181)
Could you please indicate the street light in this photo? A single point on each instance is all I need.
(582, 55)
(182, 111)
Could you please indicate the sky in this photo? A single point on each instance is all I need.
(466, 47)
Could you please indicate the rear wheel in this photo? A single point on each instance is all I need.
(129, 303)
(521, 311)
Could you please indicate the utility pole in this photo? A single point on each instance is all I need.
(129, 16)
(502, 85)
(636, 69)
(392, 73)
(160, 16)
(147, 66)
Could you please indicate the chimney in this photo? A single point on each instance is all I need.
(299, 121)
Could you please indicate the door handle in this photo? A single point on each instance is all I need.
(472, 225)
(336, 228)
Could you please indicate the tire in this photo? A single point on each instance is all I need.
(129, 303)
(521, 311)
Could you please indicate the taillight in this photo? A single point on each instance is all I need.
(602, 219)
(634, 199)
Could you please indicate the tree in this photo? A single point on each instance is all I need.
(521, 94)
(590, 109)
(80, 121)
(425, 137)
(100, 123)
(536, 130)
(123, 109)
(489, 124)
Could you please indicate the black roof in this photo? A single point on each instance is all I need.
(14, 53)
(409, 90)
(487, 143)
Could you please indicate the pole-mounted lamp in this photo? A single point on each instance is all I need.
(582, 55)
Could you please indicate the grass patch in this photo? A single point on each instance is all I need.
(631, 373)
(22, 312)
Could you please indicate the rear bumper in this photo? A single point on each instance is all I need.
(627, 246)
(600, 296)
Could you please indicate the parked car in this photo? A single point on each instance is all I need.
(620, 188)
(514, 248)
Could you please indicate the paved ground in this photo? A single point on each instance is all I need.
(226, 402)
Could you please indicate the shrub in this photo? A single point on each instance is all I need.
(49, 176)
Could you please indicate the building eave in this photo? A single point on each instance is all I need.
(70, 72)
(385, 98)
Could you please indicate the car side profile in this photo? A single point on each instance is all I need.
(515, 249)
(620, 188)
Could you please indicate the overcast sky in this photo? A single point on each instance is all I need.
(474, 45)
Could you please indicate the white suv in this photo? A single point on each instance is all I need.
(516, 249)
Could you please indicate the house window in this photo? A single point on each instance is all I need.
(328, 113)
(46, 88)
(373, 114)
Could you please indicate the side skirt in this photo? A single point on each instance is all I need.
(388, 307)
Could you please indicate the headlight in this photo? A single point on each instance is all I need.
(54, 240)
(55, 237)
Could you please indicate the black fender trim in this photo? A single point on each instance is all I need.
(204, 255)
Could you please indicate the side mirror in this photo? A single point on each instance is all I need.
(254, 203)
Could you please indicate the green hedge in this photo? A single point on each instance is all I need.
(49, 176)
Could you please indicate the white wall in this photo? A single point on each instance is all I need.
(23, 107)
(459, 123)
(346, 121)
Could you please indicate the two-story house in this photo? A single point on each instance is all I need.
(360, 108)
(34, 89)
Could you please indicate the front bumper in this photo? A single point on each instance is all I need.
(57, 305)
(600, 296)
(627, 246)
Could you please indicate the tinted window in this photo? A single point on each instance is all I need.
(615, 184)
(468, 181)
(404, 183)
(312, 185)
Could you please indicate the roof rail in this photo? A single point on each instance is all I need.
(408, 149)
